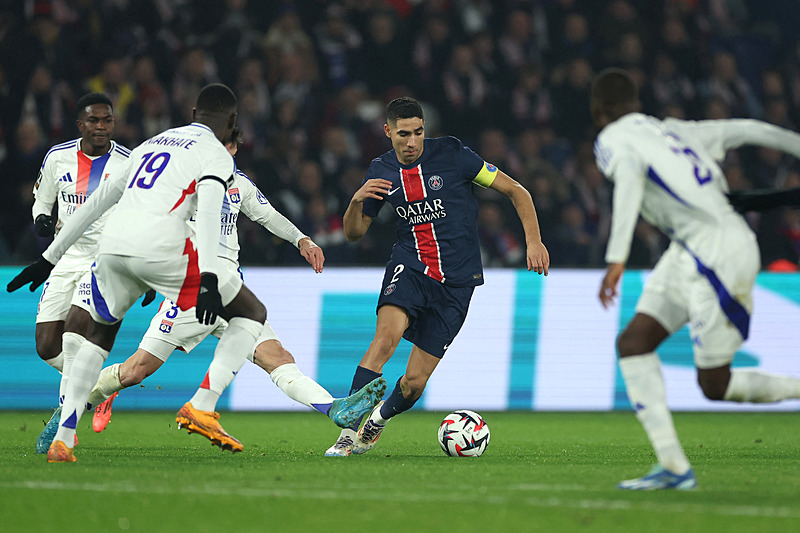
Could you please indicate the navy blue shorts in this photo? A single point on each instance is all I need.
(437, 311)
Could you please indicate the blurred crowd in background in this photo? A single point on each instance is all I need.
(511, 79)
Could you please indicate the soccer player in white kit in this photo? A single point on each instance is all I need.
(667, 171)
(172, 328)
(70, 173)
(148, 244)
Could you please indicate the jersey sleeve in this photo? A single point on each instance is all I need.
(257, 208)
(45, 191)
(101, 200)
(719, 136)
(621, 164)
(474, 168)
(371, 207)
(220, 165)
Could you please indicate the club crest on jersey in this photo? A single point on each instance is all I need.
(389, 290)
(166, 326)
(234, 194)
(435, 182)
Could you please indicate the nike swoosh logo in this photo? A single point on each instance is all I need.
(393, 191)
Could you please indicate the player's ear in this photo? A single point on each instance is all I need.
(387, 131)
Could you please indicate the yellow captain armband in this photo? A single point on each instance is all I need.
(486, 176)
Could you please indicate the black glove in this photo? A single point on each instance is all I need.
(149, 296)
(209, 301)
(45, 225)
(35, 274)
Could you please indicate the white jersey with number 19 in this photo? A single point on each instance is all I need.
(159, 196)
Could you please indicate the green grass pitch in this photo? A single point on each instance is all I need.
(549, 472)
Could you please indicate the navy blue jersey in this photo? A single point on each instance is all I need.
(436, 209)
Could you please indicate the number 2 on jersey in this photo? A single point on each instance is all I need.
(151, 168)
(701, 171)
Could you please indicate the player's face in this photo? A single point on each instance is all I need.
(96, 124)
(407, 135)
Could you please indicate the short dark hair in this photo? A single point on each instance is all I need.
(237, 136)
(612, 89)
(403, 107)
(90, 99)
(216, 98)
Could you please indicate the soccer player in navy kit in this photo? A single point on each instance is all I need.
(435, 263)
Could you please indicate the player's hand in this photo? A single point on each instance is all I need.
(608, 288)
(312, 253)
(149, 296)
(209, 301)
(45, 225)
(35, 274)
(538, 258)
(376, 188)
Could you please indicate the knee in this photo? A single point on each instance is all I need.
(271, 354)
(713, 386)
(48, 345)
(628, 343)
(259, 312)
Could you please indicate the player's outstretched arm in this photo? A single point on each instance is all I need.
(356, 223)
(538, 258)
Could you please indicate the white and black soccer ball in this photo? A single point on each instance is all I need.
(463, 434)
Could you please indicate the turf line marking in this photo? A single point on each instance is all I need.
(600, 504)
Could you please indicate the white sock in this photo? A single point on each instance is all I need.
(757, 386)
(70, 344)
(83, 375)
(107, 384)
(238, 340)
(56, 362)
(646, 391)
(301, 388)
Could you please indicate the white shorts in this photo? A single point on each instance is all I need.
(62, 290)
(118, 281)
(172, 328)
(716, 302)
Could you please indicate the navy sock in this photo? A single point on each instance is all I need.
(362, 377)
(396, 403)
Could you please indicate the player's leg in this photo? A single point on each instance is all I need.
(116, 377)
(391, 323)
(73, 309)
(246, 316)
(662, 309)
(279, 363)
(717, 344)
(58, 293)
(747, 385)
(170, 328)
(48, 343)
(641, 370)
(113, 293)
(407, 391)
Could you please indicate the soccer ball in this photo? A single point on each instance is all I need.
(463, 434)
